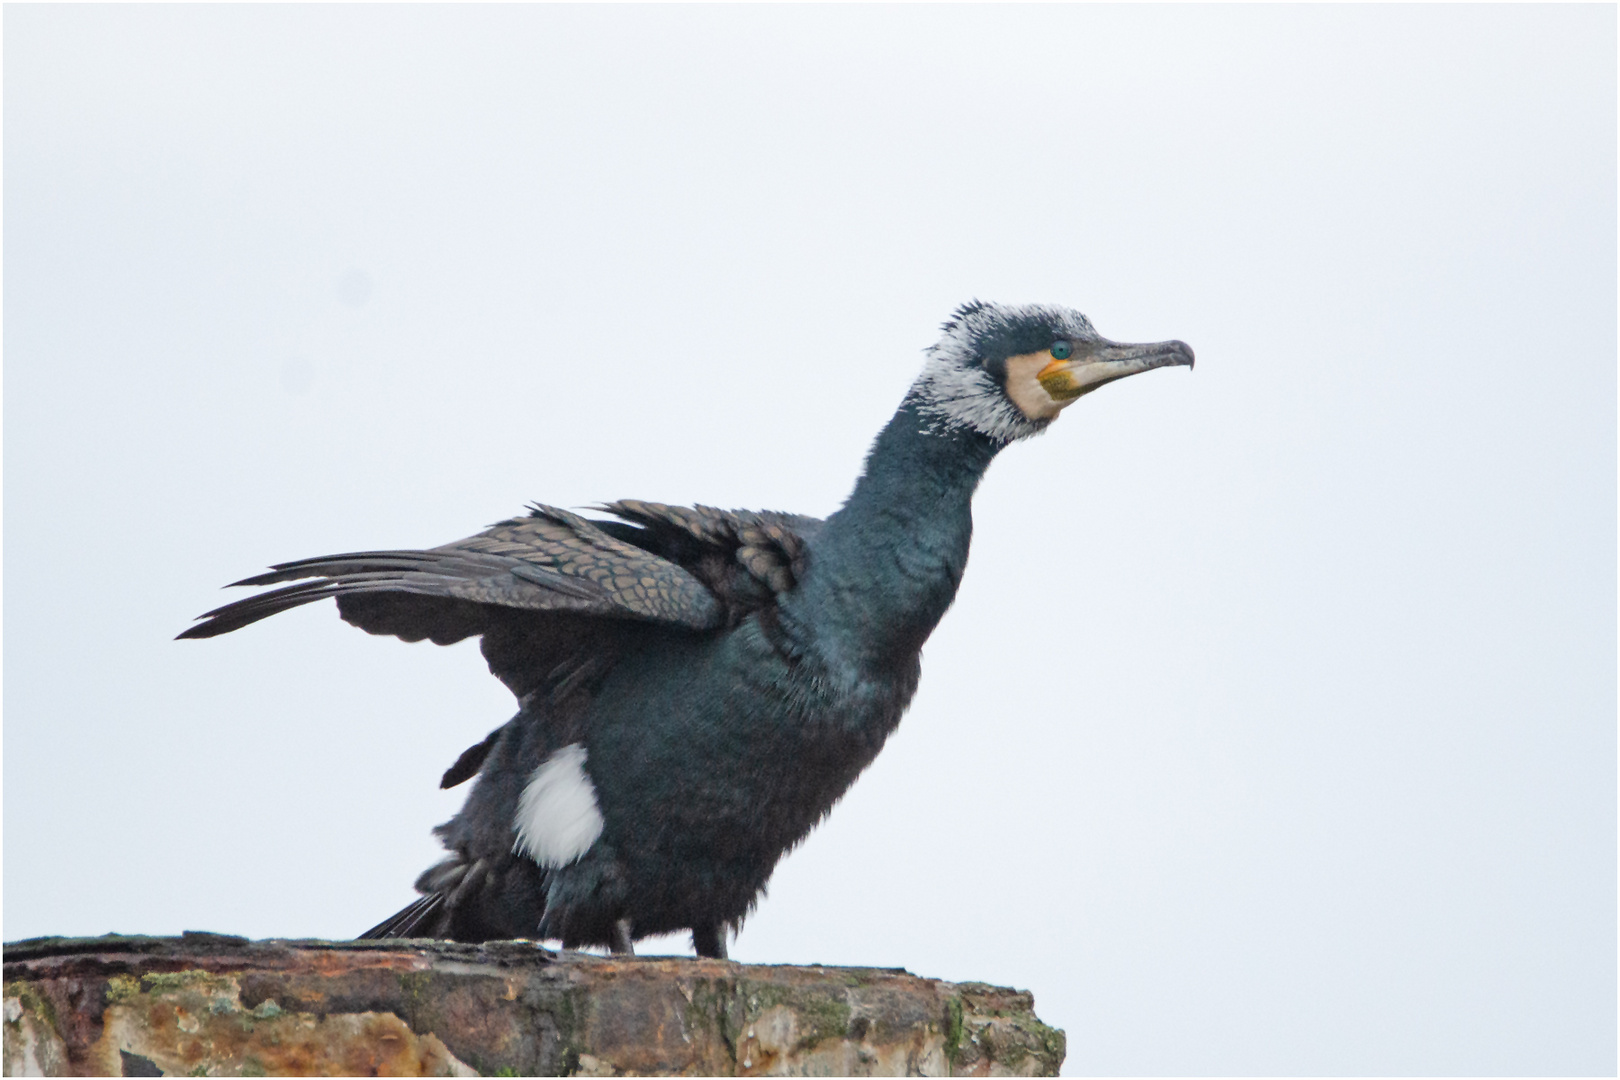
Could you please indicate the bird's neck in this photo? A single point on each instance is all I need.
(887, 565)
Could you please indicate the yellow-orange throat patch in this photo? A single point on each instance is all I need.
(1057, 379)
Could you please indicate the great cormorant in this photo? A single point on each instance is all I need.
(698, 687)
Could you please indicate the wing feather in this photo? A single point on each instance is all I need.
(552, 560)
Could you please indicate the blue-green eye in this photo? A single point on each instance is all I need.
(1061, 350)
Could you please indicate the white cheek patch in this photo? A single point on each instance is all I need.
(557, 817)
(953, 389)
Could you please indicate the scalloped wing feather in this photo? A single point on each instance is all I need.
(552, 560)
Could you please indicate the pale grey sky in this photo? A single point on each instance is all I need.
(1274, 728)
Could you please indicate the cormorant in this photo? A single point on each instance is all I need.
(698, 687)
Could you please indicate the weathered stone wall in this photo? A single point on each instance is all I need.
(209, 1005)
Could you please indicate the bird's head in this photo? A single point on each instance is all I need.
(1007, 370)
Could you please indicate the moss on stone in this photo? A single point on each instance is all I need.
(413, 987)
(121, 988)
(167, 982)
(710, 1004)
(821, 1015)
(1054, 1043)
(953, 1029)
(32, 1001)
(567, 1010)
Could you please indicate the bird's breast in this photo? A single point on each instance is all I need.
(740, 751)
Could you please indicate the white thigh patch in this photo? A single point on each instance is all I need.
(557, 818)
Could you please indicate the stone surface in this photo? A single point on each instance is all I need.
(211, 1005)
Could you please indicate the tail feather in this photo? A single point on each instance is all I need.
(406, 922)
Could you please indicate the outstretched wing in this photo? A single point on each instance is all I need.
(554, 596)
(551, 561)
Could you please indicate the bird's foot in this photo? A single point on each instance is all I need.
(623, 943)
(710, 941)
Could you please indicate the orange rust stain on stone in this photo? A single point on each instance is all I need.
(202, 1025)
(335, 963)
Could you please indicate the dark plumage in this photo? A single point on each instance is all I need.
(698, 687)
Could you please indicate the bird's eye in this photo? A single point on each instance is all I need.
(1061, 350)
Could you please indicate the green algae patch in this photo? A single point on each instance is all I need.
(32, 1001)
(122, 988)
(413, 988)
(953, 1029)
(821, 1014)
(194, 979)
(1054, 1043)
